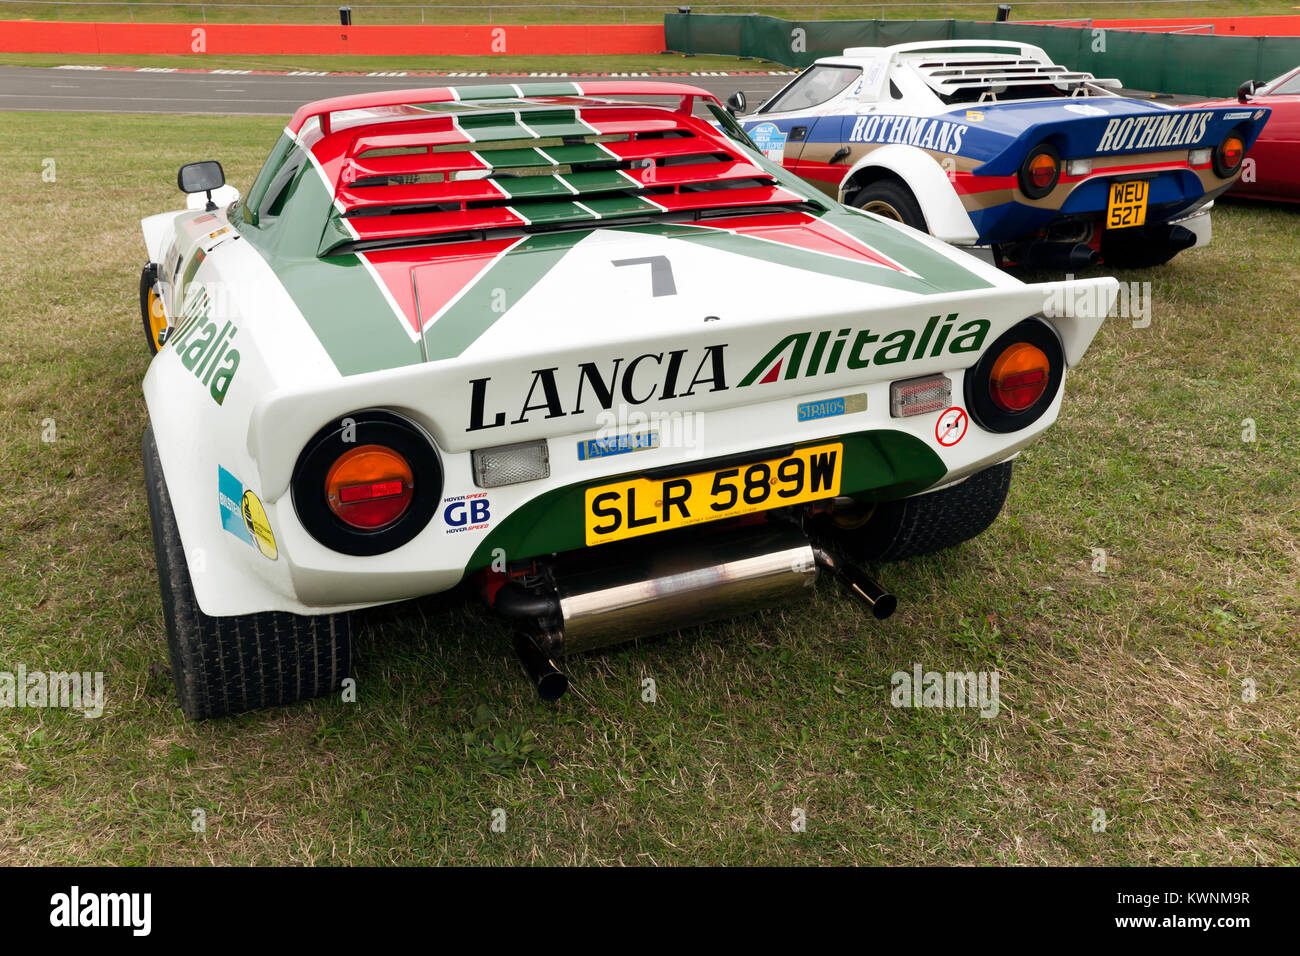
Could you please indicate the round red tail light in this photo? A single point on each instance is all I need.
(1019, 377)
(369, 487)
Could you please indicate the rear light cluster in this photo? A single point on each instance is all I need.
(367, 483)
(1228, 155)
(1040, 171)
(1017, 377)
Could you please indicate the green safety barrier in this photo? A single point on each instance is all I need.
(1194, 64)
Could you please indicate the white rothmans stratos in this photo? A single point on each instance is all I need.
(580, 345)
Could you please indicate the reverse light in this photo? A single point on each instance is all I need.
(511, 464)
(1228, 155)
(1040, 171)
(917, 396)
(1019, 377)
(1078, 167)
(369, 487)
(1199, 157)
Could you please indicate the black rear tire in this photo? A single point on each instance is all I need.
(893, 200)
(931, 522)
(226, 665)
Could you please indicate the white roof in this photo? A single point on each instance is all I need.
(948, 66)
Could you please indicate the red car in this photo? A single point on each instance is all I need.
(1272, 167)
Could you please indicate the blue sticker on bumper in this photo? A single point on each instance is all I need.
(230, 495)
(616, 445)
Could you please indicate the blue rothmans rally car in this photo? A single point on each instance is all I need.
(992, 146)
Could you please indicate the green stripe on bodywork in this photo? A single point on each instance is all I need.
(878, 466)
(935, 272)
(506, 282)
(339, 298)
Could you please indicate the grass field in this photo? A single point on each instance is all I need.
(1121, 691)
(611, 11)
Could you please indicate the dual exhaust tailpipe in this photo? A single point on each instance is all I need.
(634, 592)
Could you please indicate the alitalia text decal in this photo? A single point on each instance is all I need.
(205, 345)
(681, 373)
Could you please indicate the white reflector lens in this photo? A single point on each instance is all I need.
(1198, 157)
(510, 464)
(916, 396)
(1078, 167)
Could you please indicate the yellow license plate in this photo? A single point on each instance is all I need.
(638, 506)
(1128, 204)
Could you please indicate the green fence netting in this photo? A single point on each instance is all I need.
(1195, 64)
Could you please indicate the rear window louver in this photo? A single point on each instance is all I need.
(536, 167)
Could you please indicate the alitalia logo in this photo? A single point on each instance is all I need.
(205, 344)
(681, 373)
(808, 353)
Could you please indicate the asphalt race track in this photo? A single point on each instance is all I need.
(146, 91)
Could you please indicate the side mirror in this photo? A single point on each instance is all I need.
(736, 103)
(201, 178)
(1246, 89)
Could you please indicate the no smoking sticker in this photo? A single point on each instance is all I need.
(951, 426)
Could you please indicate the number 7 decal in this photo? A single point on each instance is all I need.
(661, 273)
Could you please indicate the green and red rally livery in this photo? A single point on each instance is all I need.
(595, 354)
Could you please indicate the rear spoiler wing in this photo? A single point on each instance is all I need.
(446, 94)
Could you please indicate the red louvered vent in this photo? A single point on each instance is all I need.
(512, 160)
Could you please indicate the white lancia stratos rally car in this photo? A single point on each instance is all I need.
(580, 346)
(992, 146)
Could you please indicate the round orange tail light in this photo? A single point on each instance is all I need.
(1019, 377)
(1040, 172)
(369, 487)
(1228, 155)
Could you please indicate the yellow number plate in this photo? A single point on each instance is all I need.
(1128, 204)
(637, 506)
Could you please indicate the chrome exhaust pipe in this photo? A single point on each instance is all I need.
(723, 575)
(638, 592)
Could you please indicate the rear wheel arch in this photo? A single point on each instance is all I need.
(941, 207)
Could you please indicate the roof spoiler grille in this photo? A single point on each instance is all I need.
(533, 165)
(950, 74)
